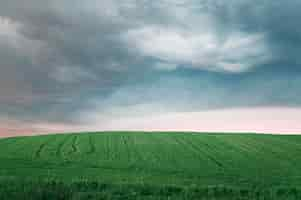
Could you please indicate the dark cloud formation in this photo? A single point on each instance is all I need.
(61, 58)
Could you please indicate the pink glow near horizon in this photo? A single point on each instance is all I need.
(262, 120)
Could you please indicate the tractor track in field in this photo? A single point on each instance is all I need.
(42, 147)
(7, 142)
(92, 145)
(218, 163)
(125, 143)
(73, 145)
(134, 157)
(244, 148)
(197, 150)
(210, 148)
(154, 154)
(136, 152)
(58, 152)
(108, 149)
(170, 156)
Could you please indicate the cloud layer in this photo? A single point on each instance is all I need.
(62, 60)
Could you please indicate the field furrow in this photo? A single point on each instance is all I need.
(74, 145)
(42, 147)
(92, 148)
(200, 152)
(60, 146)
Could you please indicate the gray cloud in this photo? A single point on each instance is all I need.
(62, 58)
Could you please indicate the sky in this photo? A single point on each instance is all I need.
(194, 65)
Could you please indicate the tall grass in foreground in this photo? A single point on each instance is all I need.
(82, 190)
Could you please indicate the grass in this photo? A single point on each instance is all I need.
(124, 165)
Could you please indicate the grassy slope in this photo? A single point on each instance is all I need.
(156, 158)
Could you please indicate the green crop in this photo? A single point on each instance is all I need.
(142, 165)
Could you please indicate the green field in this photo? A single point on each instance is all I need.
(124, 165)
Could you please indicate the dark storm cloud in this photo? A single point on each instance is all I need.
(77, 54)
(58, 56)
